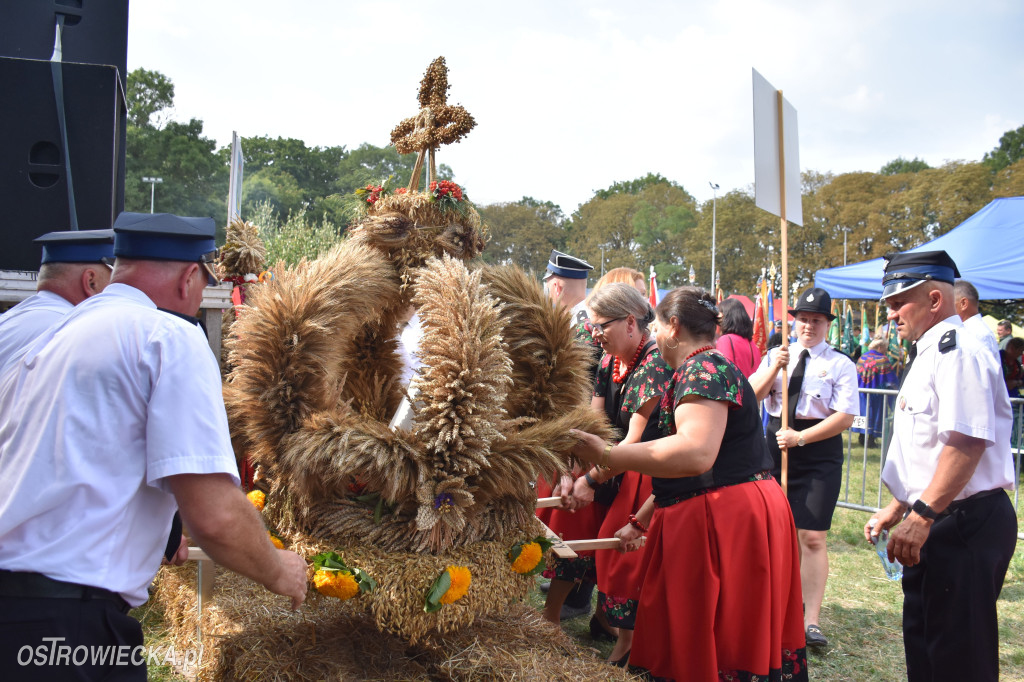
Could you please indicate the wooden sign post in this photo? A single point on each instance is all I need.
(777, 190)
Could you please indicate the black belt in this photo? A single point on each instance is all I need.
(778, 420)
(957, 504)
(37, 585)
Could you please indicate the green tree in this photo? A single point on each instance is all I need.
(371, 164)
(1009, 151)
(149, 93)
(901, 165)
(633, 186)
(523, 233)
(195, 175)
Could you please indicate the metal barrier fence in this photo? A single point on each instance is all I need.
(885, 401)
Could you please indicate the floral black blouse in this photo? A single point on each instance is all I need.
(651, 378)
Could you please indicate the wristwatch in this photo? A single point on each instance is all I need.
(921, 508)
(800, 440)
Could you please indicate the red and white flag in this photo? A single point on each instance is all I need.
(653, 295)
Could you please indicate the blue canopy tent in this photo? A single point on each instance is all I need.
(988, 249)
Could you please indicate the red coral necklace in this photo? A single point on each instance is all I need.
(699, 350)
(617, 376)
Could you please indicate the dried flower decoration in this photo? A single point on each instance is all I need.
(450, 586)
(526, 557)
(333, 578)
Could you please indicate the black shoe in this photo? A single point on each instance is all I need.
(815, 637)
(544, 586)
(598, 631)
(860, 439)
(621, 663)
(570, 612)
(873, 442)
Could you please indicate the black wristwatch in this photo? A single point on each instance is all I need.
(590, 480)
(921, 508)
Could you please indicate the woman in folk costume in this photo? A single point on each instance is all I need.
(721, 587)
(631, 380)
(822, 403)
(874, 370)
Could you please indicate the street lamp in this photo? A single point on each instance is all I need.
(714, 217)
(152, 189)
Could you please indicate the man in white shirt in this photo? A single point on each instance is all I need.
(948, 467)
(72, 269)
(108, 422)
(965, 301)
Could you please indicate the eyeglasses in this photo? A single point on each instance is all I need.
(599, 326)
(207, 261)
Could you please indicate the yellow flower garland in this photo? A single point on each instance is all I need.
(340, 584)
(460, 577)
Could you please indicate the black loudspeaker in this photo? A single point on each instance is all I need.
(95, 31)
(33, 176)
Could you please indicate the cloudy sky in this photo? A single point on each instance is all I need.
(570, 96)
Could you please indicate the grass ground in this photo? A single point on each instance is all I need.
(862, 609)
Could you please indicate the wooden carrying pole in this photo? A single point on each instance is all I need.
(785, 286)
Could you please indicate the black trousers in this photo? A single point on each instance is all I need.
(950, 629)
(90, 628)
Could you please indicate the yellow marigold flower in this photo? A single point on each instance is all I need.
(340, 584)
(460, 577)
(258, 498)
(530, 555)
(275, 540)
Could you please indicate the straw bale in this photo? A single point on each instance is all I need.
(249, 634)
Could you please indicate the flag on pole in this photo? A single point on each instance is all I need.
(653, 295)
(760, 332)
(771, 297)
(850, 342)
(718, 288)
(834, 337)
(865, 331)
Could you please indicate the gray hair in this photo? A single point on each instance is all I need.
(620, 300)
(964, 289)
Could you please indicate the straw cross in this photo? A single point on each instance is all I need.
(436, 124)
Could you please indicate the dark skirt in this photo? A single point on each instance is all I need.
(815, 475)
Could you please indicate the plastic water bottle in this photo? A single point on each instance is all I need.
(893, 569)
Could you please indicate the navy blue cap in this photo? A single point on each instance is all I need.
(564, 265)
(77, 246)
(814, 300)
(164, 236)
(905, 271)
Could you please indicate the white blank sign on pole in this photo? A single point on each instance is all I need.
(767, 179)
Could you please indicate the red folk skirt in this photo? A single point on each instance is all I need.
(721, 593)
(583, 524)
(619, 575)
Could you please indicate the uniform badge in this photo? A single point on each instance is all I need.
(948, 341)
(810, 297)
(903, 403)
(823, 373)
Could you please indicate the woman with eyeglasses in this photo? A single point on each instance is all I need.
(721, 582)
(823, 401)
(631, 380)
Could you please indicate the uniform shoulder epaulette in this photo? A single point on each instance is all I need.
(581, 316)
(948, 341)
(842, 352)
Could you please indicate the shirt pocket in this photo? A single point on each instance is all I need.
(819, 389)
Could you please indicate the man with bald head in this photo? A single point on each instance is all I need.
(108, 422)
(948, 468)
(74, 267)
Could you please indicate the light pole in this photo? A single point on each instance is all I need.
(714, 220)
(152, 189)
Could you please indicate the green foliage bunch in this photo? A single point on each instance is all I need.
(299, 236)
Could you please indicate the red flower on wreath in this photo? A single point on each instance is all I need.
(446, 189)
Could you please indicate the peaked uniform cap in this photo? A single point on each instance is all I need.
(164, 236)
(814, 300)
(563, 265)
(76, 246)
(906, 270)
